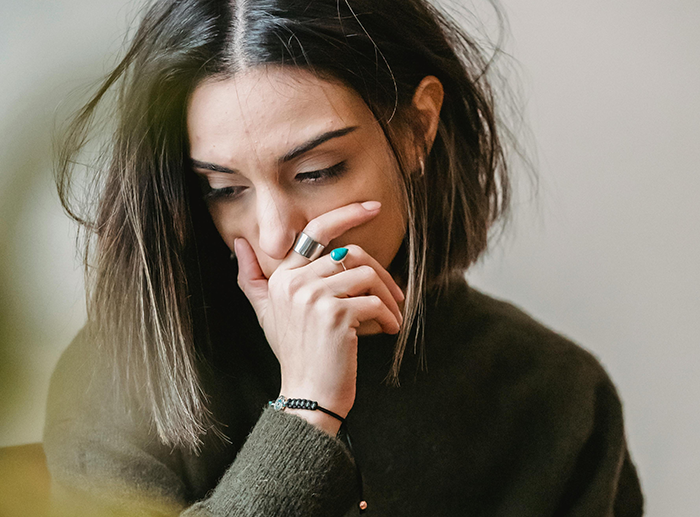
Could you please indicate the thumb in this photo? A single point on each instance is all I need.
(251, 279)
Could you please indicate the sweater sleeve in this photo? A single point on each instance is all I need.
(603, 480)
(105, 461)
(286, 467)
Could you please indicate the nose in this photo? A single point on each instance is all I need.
(279, 222)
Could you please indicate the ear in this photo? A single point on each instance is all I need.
(427, 100)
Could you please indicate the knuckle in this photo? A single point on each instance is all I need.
(306, 296)
(313, 230)
(339, 316)
(367, 272)
(325, 305)
(356, 250)
(275, 282)
(335, 312)
(289, 284)
(375, 302)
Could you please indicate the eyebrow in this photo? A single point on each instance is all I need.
(315, 142)
(289, 156)
(211, 167)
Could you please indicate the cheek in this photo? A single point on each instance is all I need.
(232, 226)
(387, 237)
(393, 229)
(234, 221)
(224, 222)
(382, 236)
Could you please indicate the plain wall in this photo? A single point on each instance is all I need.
(607, 254)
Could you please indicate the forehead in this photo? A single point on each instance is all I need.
(269, 110)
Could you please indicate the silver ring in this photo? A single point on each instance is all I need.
(307, 247)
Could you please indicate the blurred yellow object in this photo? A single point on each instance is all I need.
(24, 481)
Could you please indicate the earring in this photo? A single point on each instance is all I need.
(232, 256)
(422, 166)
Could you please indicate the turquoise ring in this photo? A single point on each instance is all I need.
(339, 255)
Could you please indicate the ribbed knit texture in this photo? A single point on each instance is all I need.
(319, 480)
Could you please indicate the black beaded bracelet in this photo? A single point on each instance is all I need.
(283, 402)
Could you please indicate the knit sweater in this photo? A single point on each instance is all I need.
(507, 419)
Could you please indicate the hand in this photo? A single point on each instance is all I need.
(310, 312)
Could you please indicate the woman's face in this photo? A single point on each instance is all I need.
(277, 147)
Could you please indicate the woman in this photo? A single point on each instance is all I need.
(292, 195)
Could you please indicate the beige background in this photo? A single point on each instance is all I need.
(608, 255)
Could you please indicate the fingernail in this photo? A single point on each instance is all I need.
(371, 206)
(236, 244)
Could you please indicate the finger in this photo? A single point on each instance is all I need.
(251, 279)
(368, 308)
(361, 281)
(356, 256)
(331, 225)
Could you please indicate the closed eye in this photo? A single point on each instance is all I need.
(329, 173)
(213, 194)
(232, 192)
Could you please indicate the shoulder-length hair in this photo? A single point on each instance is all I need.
(152, 243)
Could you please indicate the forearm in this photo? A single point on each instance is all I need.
(322, 421)
(285, 467)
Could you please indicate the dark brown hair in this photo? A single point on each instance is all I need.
(150, 297)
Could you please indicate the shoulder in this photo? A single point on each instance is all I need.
(494, 350)
(96, 443)
(85, 401)
(468, 324)
(526, 404)
(81, 374)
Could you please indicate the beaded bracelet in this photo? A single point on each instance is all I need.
(283, 402)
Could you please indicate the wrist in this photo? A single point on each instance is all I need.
(310, 410)
(339, 403)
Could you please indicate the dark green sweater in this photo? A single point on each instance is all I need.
(509, 419)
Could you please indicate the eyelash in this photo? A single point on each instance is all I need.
(328, 174)
(332, 172)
